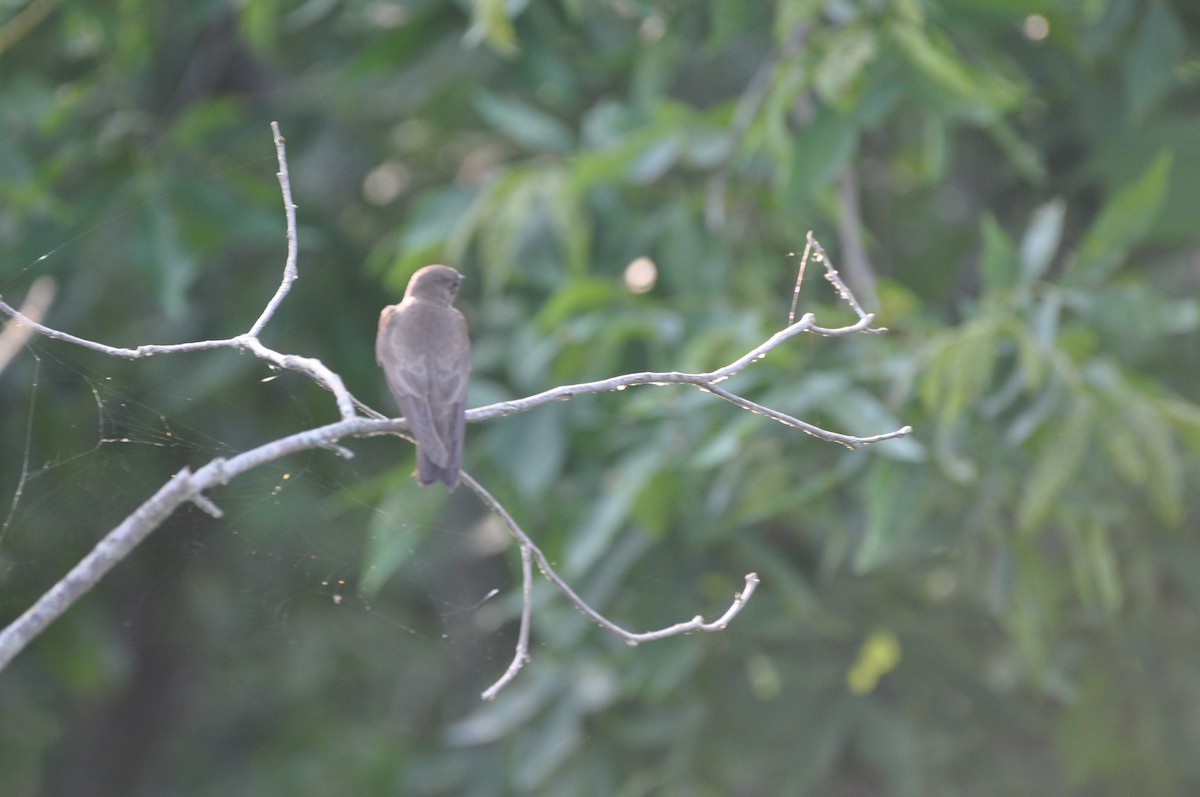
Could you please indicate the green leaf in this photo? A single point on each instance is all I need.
(431, 224)
(821, 152)
(654, 160)
(1028, 160)
(1094, 566)
(531, 448)
(526, 125)
(172, 264)
(581, 295)
(790, 14)
(847, 54)
(861, 410)
(960, 369)
(1157, 51)
(998, 261)
(1127, 454)
(1122, 223)
(1058, 462)
(886, 741)
(612, 508)
(987, 93)
(1137, 313)
(492, 22)
(1106, 575)
(1041, 241)
(1166, 478)
(894, 510)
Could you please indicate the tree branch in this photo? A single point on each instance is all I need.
(359, 420)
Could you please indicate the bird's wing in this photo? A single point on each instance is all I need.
(409, 377)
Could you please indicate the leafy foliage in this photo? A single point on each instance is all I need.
(1004, 604)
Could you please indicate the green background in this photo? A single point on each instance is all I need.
(1005, 603)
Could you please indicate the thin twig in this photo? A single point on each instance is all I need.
(705, 381)
(848, 441)
(521, 655)
(529, 547)
(800, 279)
(289, 210)
(23, 22)
(835, 279)
(309, 366)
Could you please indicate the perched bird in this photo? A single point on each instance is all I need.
(426, 356)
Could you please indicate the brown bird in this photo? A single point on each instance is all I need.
(426, 356)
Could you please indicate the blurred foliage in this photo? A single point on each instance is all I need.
(1004, 604)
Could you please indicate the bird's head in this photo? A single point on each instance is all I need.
(434, 283)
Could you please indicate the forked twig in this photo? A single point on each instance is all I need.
(529, 548)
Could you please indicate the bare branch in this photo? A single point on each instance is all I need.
(707, 382)
(115, 546)
(849, 441)
(187, 486)
(528, 548)
(835, 279)
(313, 368)
(521, 656)
(800, 279)
(289, 211)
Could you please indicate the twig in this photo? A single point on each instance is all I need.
(23, 22)
(521, 656)
(528, 548)
(835, 279)
(115, 546)
(708, 382)
(800, 279)
(312, 367)
(289, 211)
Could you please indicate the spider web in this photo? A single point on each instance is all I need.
(284, 568)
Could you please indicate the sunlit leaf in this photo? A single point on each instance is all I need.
(492, 22)
(1041, 241)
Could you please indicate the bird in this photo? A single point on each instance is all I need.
(425, 353)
